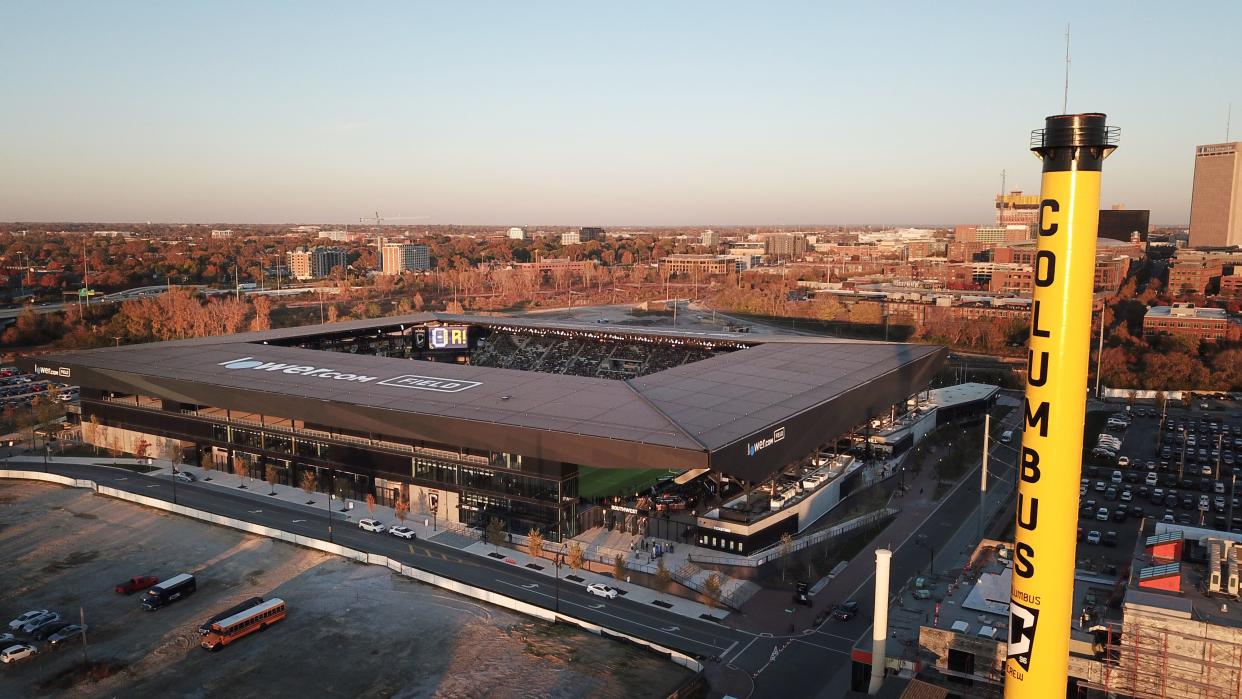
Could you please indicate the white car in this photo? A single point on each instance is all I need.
(1102, 514)
(20, 651)
(1116, 477)
(1093, 537)
(1204, 503)
(371, 525)
(1151, 479)
(601, 590)
(27, 618)
(402, 532)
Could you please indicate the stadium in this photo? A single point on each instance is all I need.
(530, 421)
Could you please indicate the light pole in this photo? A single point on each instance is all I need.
(1233, 491)
(560, 556)
(331, 495)
(1181, 469)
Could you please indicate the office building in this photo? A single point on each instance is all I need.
(1184, 320)
(997, 235)
(701, 265)
(1193, 276)
(315, 263)
(335, 236)
(711, 238)
(1017, 208)
(582, 235)
(1216, 200)
(785, 246)
(516, 233)
(404, 257)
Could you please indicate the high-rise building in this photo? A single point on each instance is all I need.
(1216, 200)
(1017, 208)
(314, 263)
(1124, 224)
(785, 245)
(582, 235)
(396, 258)
(711, 238)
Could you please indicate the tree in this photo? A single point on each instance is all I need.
(240, 469)
(402, 509)
(208, 461)
(576, 557)
(309, 481)
(495, 532)
(114, 447)
(663, 576)
(141, 449)
(711, 590)
(618, 567)
(783, 552)
(170, 449)
(94, 438)
(270, 472)
(370, 504)
(534, 542)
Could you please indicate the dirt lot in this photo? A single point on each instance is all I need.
(352, 630)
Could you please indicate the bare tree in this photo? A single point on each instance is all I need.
(240, 469)
(94, 438)
(618, 567)
(576, 557)
(534, 543)
(711, 590)
(171, 449)
(271, 473)
(115, 448)
(309, 481)
(208, 461)
(370, 504)
(663, 575)
(402, 509)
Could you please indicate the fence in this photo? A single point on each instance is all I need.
(418, 574)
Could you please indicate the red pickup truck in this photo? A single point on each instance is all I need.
(133, 585)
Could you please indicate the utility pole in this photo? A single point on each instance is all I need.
(1099, 354)
(82, 619)
(983, 475)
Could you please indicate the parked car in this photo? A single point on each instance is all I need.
(27, 618)
(601, 590)
(47, 630)
(845, 611)
(67, 633)
(30, 626)
(1102, 514)
(20, 651)
(1110, 538)
(1093, 537)
(402, 532)
(136, 584)
(371, 525)
(185, 477)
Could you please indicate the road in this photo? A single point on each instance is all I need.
(751, 664)
(690, 636)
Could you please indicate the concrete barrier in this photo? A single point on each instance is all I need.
(461, 588)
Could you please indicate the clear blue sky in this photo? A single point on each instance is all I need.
(513, 113)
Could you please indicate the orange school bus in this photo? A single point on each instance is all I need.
(256, 618)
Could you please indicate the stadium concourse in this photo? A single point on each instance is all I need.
(476, 419)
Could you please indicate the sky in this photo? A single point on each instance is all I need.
(592, 113)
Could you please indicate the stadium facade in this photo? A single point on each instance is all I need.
(480, 417)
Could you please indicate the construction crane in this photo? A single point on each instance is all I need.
(378, 222)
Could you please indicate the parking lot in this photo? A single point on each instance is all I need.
(351, 630)
(1175, 467)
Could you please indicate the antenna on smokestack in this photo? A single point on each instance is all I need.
(1065, 99)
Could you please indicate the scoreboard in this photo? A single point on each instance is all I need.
(448, 337)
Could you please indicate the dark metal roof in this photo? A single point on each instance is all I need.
(698, 414)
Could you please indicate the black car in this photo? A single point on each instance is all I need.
(44, 632)
(1110, 538)
(1188, 502)
(1120, 514)
(1137, 512)
(1170, 501)
(1183, 518)
(845, 611)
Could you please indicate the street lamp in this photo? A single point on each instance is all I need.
(560, 556)
(1181, 469)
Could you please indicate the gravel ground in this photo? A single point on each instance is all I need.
(352, 630)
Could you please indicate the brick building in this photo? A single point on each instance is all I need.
(703, 265)
(1184, 320)
(1193, 277)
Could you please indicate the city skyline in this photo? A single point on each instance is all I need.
(562, 115)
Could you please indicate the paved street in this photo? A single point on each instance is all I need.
(759, 656)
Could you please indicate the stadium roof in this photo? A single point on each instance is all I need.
(796, 392)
